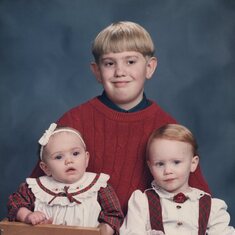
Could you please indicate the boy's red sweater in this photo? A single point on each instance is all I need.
(117, 144)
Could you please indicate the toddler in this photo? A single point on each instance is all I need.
(171, 206)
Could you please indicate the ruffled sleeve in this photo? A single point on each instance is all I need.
(219, 219)
(111, 212)
(22, 198)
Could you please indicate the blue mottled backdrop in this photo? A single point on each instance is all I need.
(45, 52)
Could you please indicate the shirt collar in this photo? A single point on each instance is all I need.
(194, 194)
(144, 103)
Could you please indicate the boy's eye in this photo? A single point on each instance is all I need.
(177, 162)
(108, 63)
(131, 61)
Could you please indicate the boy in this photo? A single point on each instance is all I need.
(117, 124)
(171, 206)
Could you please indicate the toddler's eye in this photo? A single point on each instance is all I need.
(177, 162)
(159, 164)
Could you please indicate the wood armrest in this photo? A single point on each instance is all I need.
(18, 228)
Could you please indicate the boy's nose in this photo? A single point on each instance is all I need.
(120, 71)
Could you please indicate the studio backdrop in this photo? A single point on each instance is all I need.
(45, 55)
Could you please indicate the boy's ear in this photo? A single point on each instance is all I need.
(194, 163)
(151, 67)
(45, 168)
(96, 71)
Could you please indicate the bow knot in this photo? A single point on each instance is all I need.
(47, 134)
(66, 194)
(180, 198)
(69, 195)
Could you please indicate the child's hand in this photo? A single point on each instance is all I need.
(105, 229)
(47, 221)
(36, 217)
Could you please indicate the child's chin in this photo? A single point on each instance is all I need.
(71, 179)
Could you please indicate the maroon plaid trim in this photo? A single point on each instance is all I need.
(111, 212)
(204, 213)
(22, 198)
(70, 196)
(155, 210)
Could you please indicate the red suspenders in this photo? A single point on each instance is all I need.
(155, 211)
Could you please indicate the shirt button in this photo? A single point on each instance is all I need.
(179, 223)
(178, 206)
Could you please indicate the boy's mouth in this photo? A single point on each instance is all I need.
(120, 83)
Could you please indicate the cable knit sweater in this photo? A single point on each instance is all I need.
(117, 143)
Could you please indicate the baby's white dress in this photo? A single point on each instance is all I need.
(80, 207)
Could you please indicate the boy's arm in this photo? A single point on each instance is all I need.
(111, 213)
(219, 219)
(137, 218)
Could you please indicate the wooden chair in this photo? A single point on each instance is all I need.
(18, 228)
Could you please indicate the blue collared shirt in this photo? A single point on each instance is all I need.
(144, 103)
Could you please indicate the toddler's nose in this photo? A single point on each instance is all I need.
(167, 170)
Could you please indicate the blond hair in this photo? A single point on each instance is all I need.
(173, 132)
(122, 36)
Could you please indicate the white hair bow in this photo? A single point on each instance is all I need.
(46, 136)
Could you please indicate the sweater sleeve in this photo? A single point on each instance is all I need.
(22, 198)
(72, 118)
(111, 212)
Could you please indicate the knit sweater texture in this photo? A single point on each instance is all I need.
(117, 144)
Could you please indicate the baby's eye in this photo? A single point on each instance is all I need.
(76, 153)
(58, 157)
(177, 162)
